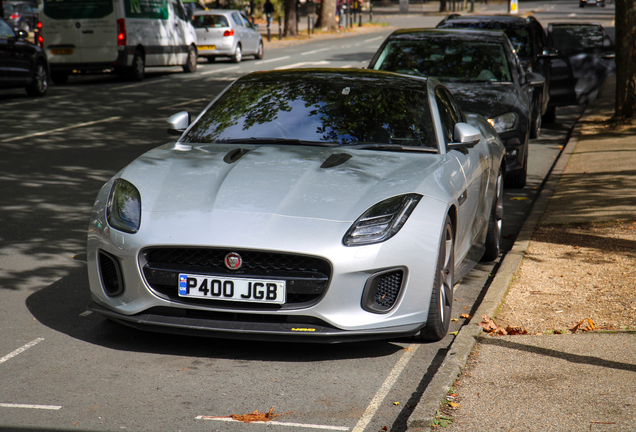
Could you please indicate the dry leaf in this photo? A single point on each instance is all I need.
(490, 326)
(396, 403)
(516, 330)
(453, 404)
(454, 319)
(519, 198)
(254, 416)
(579, 326)
(466, 316)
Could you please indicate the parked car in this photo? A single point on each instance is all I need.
(20, 15)
(120, 36)
(308, 204)
(22, 63)
(482, 72)
(583, 3)
(530, 42)
(226, 33)
(582, 58)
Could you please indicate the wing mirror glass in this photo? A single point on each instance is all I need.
(464, 136)
(178, 123)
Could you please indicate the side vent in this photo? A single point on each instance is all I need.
(110, 273)
(335, 160)
(382, 291)
(234, 155)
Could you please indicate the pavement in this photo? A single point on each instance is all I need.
(573, 382)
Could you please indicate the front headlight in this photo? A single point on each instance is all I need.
(124, 207)
(504, 123)
(382, 221)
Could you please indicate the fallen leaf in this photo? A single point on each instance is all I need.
(579, 326)
(516, 330)
(454, 319)
(466, 316)
(454, 333)
(179, 370)
(254, 416)
(518, 198)
(490, 326)
(384, 428)
(396, 403)
(453, 404)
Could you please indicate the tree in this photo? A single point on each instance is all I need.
(290, 18)
(328, 15)
(625, 60)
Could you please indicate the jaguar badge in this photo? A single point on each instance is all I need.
(233, 261)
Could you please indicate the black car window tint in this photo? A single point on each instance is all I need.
(577, 37)
(446, 114)
(5, 30)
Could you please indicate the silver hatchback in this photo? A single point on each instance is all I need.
(226, 33)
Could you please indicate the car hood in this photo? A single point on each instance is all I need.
(280, 180)
(489, 100)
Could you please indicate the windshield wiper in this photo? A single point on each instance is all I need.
(388, 147)
(266, 140)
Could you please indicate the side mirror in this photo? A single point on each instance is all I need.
(534, 79)
(21, 34)
(464, 136)
(178, 123)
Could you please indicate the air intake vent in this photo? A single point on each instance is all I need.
(382, 291)
(110, 273)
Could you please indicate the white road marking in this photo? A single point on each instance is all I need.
(220, 70)
(33, 100)
(277, 423)
(272, 60)
(374, 39)
(184, 103)
(301, 64)
(44, 407)
(384, 390)
(139, 84)
(85, 313)
(21, 349)
(79, 125)
(316, 51)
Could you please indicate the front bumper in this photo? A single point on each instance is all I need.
(293, 329)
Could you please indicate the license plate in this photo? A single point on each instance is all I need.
(232, 289)
(62, 51)
(206, 47)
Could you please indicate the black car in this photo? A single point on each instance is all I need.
(482, 72)
(583, 3)
(530, 42)
(22, 63)
(20, 15)
(582, 58)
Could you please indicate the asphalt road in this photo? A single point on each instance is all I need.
(63, 368)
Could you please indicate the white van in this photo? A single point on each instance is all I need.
(120, 35)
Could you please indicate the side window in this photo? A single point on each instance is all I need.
(5, 30)
(179, 12)
(448, 113)
(237, 19)
(246, 22)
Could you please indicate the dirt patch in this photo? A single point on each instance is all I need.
(570, 273)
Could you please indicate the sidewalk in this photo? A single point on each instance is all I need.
(558, 382)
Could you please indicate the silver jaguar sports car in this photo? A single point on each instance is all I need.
(321, 205)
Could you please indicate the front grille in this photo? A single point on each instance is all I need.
(388, 289)
(307, 278)
(110, 273)
(382, 291)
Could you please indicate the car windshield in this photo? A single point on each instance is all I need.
(205, 21)
(519, 37)
(576, 37)
(317, 113)
(447, 59)
(8, 8)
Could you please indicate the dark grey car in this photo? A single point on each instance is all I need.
(21, 15)
(482, 72)
(22, 63)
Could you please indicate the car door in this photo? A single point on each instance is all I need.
(15, 57)
(582, 58)
(239, 28)
(474, 163)
(251, 36)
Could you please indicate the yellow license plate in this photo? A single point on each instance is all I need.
(62, 51)
(206, 47)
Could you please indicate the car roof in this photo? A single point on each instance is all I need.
(481, 35)
(216, 12)
(508, 20)
(370, 77)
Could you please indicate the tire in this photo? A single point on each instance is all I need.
(238, 54)
(550, 115)
(517, 180)
(493, 236)
(59, 77)
(40, 83)
(441, 306)
(191, 62)
(211, 59)
(138, 69)
(260, 52)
